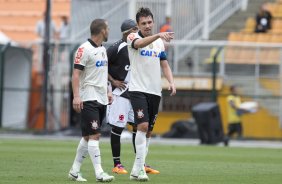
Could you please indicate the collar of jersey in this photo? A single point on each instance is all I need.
(93, 43)
(140, 34)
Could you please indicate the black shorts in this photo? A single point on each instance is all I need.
(145, 107)
(92, 116)
(235, 128)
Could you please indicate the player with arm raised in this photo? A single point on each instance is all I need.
(147, 57)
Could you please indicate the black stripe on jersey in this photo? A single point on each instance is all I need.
(79, 67)
(132, 43)
(92, 43)
(140, 34)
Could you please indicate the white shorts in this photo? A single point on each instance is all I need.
(120, 112)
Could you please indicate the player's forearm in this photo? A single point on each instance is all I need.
(75, 84)
(140, 43)
(168, 75)
(110, 88)
(167, 72)
(110, 78)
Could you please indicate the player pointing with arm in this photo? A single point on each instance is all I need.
(147, 57)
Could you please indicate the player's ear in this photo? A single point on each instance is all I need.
(103, 31)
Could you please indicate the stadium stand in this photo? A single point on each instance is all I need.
(18, 17)
(272, 85)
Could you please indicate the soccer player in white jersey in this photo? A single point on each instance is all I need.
(147, 57)
(91, 96)
(120, 111)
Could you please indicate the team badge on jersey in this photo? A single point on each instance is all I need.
(103, 55)
(140, 113)
(151, 46)
(94, 125)
(78, 55)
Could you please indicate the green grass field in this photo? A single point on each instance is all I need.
(48, 161)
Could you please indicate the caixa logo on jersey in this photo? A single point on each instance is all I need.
(101, 63)
(151, 53)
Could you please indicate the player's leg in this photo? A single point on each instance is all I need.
(154, 102)
(116, 147)
(140, 106)
(134, 130)
(231, 129)
(81, 153)
(230, 132)
(132, 123)
(117, 117)
(92, 116)
(239, 130)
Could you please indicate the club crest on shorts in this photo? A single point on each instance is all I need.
(140, 113)
(94, 125)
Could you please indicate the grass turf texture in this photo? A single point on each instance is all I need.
(48, 161)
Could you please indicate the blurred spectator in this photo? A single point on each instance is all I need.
(234, 114)
(263, 20)
(64, 35)
(40, 28)
(64, 31)
(166, 27)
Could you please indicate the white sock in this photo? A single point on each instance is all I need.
(147, 145)
(140, 143)
(94, 153)
(81, 153)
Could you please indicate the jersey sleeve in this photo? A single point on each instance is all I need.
(131, 38)
(163, 55)
(80, 58)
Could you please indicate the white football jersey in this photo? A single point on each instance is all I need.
(93, 62)
(145, 65)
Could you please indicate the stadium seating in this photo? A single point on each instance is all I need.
(250, 25)
(252, 55)
(273, 85)
(18, 17)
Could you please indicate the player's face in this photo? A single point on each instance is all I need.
(145, 25)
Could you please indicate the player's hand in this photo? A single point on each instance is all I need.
(119, 84)
(167, 36)
(172, 89)
(110, 98)
(77, 104)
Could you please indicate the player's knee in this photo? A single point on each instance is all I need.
(95, 136)
(149, 134)
(143, 127)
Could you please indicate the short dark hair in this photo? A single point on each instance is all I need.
(97, 26)
(143, 12)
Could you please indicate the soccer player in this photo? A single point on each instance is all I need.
(89, 83)
(120, 111)
(147, 57)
